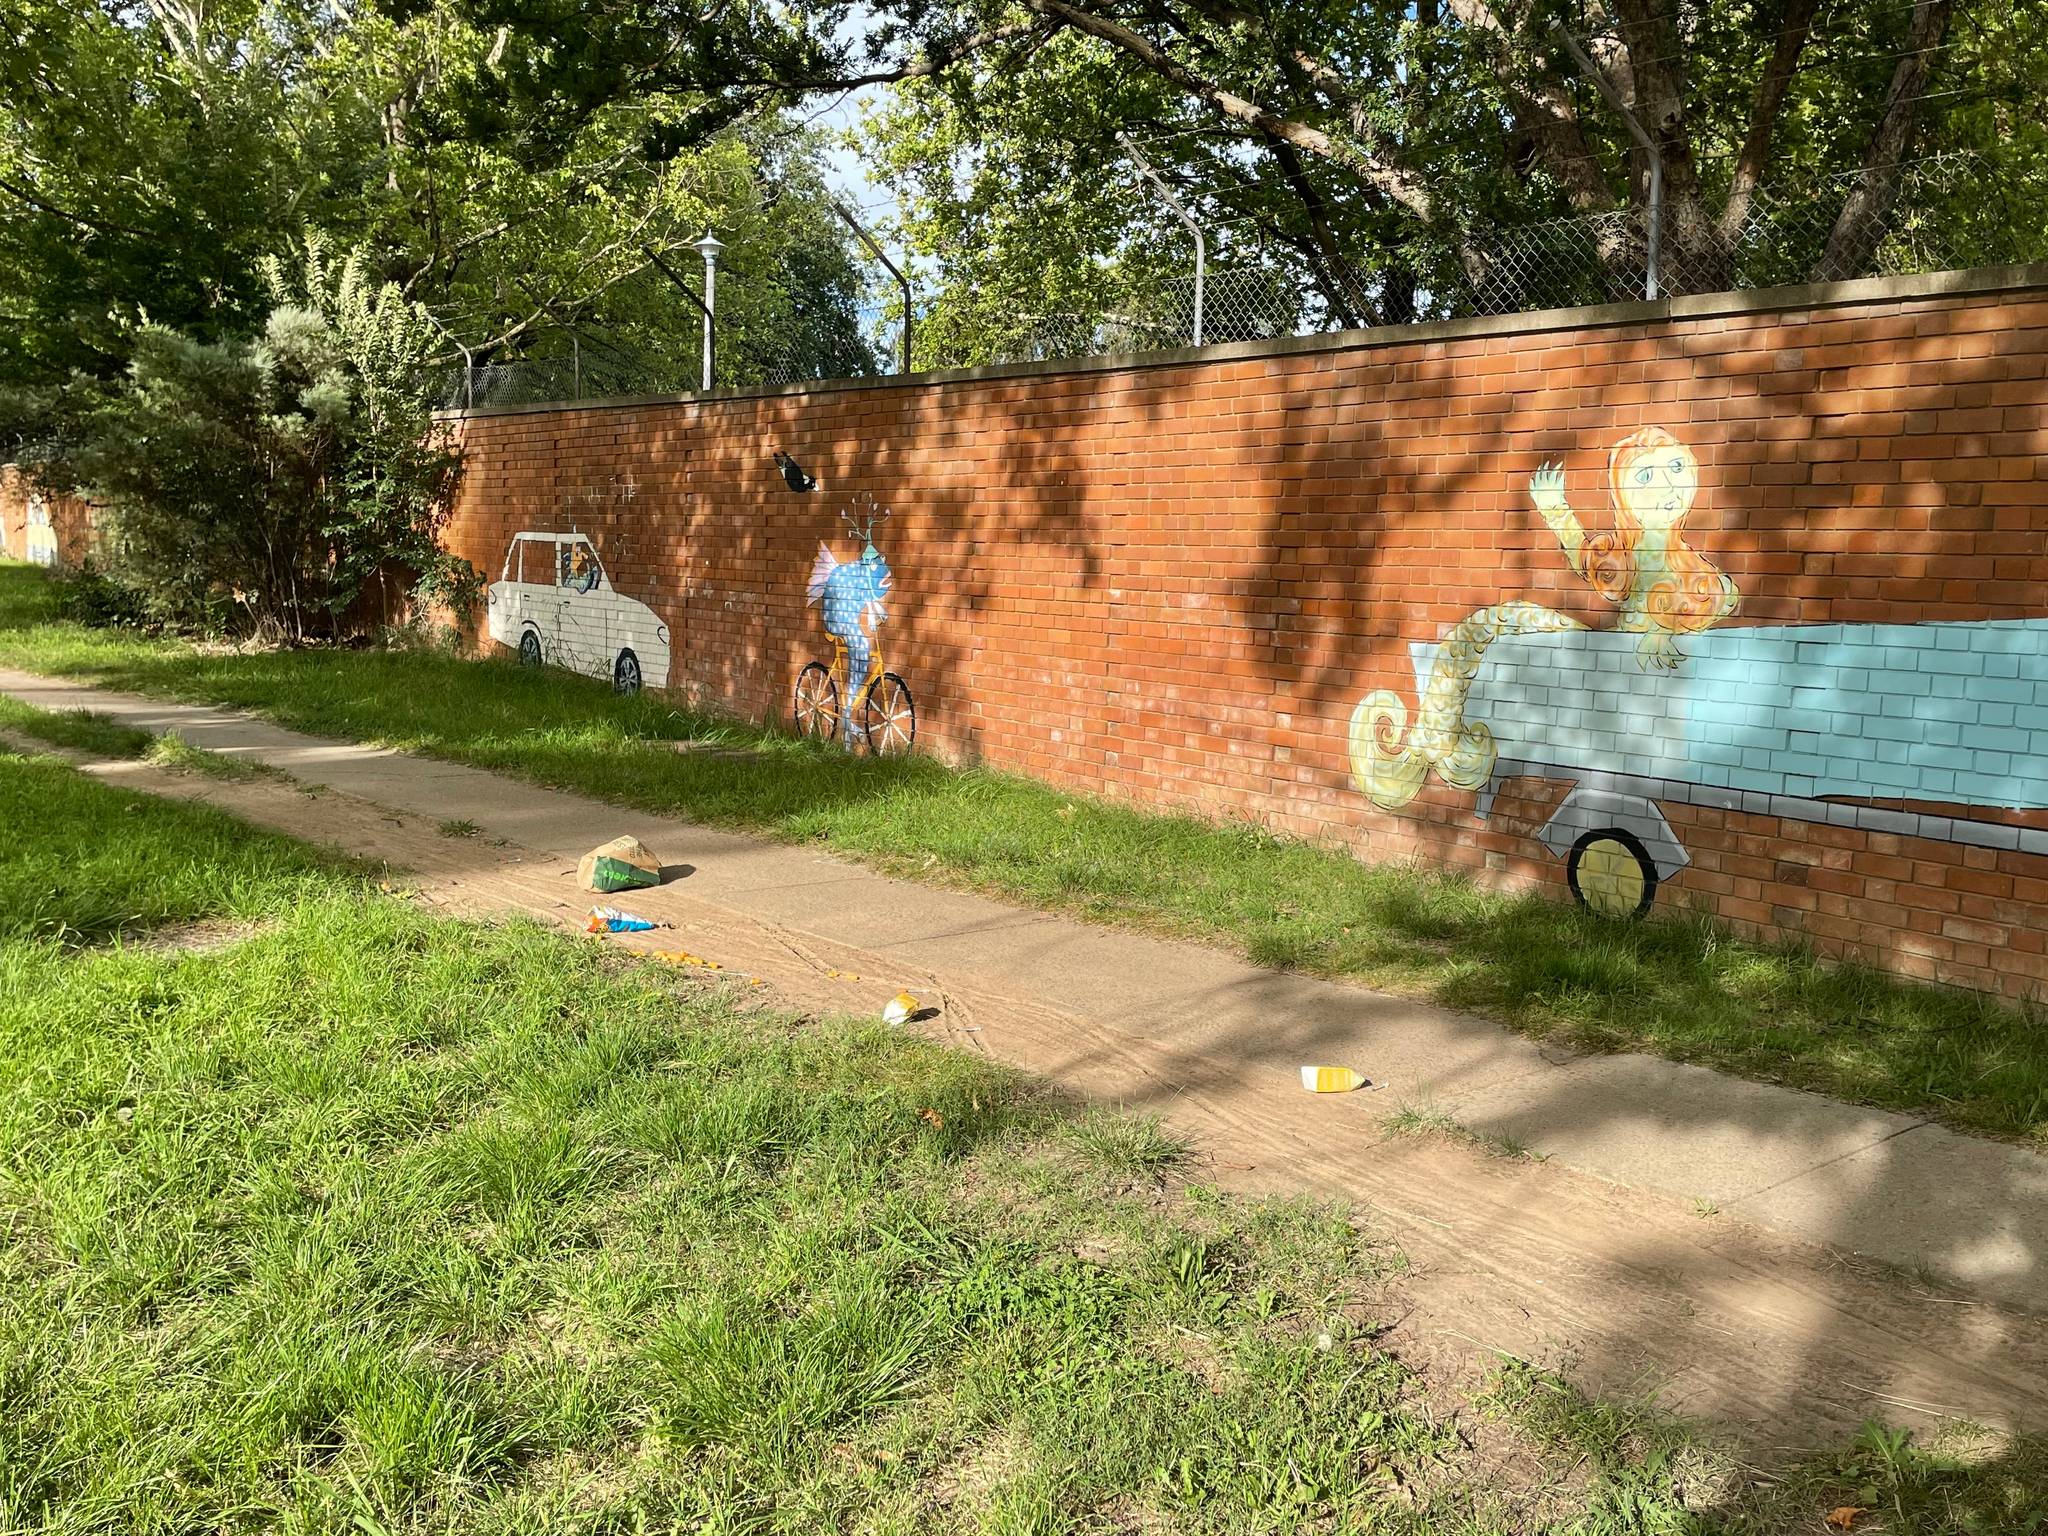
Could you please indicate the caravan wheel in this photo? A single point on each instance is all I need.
(1612, 873)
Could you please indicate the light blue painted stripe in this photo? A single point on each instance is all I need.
(1933, 710)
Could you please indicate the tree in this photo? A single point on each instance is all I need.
(1380, 151)
(267, 483)
(152, 155)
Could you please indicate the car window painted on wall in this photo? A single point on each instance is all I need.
(578, 568)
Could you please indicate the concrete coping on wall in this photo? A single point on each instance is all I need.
(1702, 306)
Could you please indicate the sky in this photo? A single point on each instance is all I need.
(846, 176)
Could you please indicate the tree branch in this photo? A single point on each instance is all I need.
(1396, 182)
(1543, 109)
(1860, 224)
(1763, 116)
(83, 221)
(912, 69)
(1339, 286)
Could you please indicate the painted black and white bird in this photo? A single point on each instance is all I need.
(793, 473)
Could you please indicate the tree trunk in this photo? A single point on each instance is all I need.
(1861, 225)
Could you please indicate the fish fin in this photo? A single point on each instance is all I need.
(821, 572)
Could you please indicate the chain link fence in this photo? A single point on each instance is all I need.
(1784, 236)
(1940, 216)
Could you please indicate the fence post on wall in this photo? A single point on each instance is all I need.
(1654, 243)
(901, 281)
(1181, 213)
(708, 246)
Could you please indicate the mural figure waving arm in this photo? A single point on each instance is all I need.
(1663, 587)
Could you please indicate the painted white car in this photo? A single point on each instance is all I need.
(554, 604)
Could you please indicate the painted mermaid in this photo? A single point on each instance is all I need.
(1664, 589)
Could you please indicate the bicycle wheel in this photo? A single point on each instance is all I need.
(889, 715)
(817, 703)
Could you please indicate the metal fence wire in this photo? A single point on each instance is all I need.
(1943, 216)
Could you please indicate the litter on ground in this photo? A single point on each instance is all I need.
(612, 920)
(623, 864)
(1332, 1079)
(684, 957)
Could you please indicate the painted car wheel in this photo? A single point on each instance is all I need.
(1611, 873)
(529, 649)
(817, 703)
(626, 675)
(890, 716)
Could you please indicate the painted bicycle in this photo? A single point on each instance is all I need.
(852, 600)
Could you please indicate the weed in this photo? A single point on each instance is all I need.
(1121, 1145)
(1428, 1120)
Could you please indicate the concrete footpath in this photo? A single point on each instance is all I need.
(1185, 1028)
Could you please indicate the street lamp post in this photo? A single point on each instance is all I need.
(708, 247)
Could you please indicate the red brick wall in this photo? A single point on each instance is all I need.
(71, 521)
(1175, 582)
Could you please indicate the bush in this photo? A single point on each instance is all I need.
(91, 597)
(269, 480)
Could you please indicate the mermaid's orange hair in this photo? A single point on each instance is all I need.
(1691, 596)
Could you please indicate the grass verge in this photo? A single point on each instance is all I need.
(80, 730)
(1675, 986)
(173, 751)
(378, 1222)
(85, 862)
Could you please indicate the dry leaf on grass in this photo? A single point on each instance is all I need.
(1843, 1517)
(932, 1118)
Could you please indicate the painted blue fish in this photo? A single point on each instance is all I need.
(852, 595)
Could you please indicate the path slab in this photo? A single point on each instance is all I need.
(1970, 1210)
(1684, 1130)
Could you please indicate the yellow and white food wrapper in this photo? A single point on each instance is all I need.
(1332, 1079)
(900, 1009)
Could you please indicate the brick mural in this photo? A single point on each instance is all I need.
(1736, 603)
(55, 531)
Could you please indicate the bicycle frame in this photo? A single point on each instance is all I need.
(840, 664)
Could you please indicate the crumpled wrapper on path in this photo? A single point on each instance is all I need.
(623, 864)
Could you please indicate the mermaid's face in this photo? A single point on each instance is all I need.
(1658, 485)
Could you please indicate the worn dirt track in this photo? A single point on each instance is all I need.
(1787, 1343)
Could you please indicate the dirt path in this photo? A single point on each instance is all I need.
(1626, 1290)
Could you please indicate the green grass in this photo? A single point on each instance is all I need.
(79, 730)
(1634, 1469)
(1428, 1120)
(84, 862)
(173, 751)
(1677, 986)
(376, 1222)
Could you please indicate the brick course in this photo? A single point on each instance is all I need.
(1172, 582)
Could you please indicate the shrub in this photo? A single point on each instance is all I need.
(269, 480)
(91, 597)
